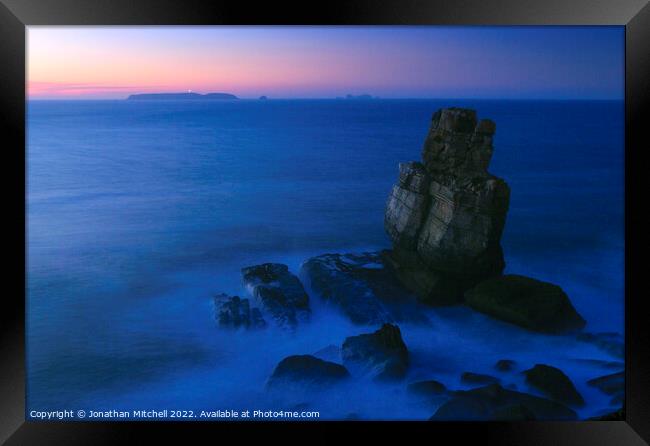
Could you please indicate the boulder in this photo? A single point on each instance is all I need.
(529, 303)
(234, 312)
(504, 365)
(554, 383)
(445, 215)
(362, 286)
(307, 372)
(494, 402)
(427, 388)
(279, 292)
(382, 353)
(477, 379)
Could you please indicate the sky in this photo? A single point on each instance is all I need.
(327, 62)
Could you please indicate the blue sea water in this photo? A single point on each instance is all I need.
(138, 212)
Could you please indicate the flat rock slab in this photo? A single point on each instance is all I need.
(382, 353)
(529, 303)
(279, 292)
(552, 382)
(493, 402)
(362, 286)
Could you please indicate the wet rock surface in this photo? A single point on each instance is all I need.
(306, 371)
(362, 286)
(552, 382)
(493, 402)
(445, 215)
(529, 303)
(382, 353)
(279, 292)
(235, 312)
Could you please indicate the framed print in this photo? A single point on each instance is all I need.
(413, 217)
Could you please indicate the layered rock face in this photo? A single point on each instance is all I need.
(445, 216)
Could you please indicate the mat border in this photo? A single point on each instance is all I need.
(16, 14)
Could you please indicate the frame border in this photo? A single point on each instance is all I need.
(15, 15)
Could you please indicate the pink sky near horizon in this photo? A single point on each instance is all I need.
(114, 62)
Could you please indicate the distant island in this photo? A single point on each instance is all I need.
(263, 98)
(358, 97)
(174, 96)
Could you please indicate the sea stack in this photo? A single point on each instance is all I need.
(446, 214)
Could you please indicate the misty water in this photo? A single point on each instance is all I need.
(138, 213)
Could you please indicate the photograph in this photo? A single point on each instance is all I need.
(325, 223)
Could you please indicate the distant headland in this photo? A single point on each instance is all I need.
(175, 96)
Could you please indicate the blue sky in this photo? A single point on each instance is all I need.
(310, 62)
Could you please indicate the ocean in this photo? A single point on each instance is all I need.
(139, 212)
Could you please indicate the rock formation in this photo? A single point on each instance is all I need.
(307, 371)
(383, 353)
(445, 215)
(279, 292)
(529, 303)
(343, 280)
(552, 382)
(493, 402)
(234, 312)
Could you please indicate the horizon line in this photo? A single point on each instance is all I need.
(343, 98)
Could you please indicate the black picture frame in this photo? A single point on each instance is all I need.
(15, 15)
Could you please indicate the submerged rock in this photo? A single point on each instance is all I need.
(306, 371)
(493, 402)
(504, 365)
(383, 353)
(611, 343)
(554, 383)
(613, 384)
(478, 378)
(445, 216)
(529, 303)
(279, 292)
(361, 286)
(427, 388)
(234, 312)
